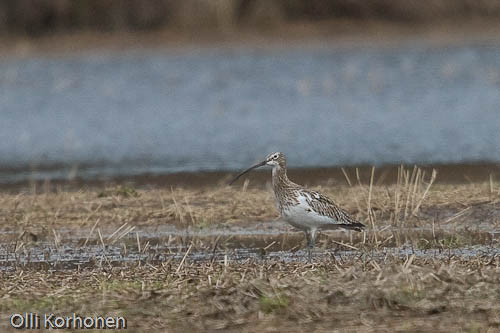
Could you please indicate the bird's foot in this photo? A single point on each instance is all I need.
(309, 254)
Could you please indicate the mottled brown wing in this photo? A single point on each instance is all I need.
(324, 206)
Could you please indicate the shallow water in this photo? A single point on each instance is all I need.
(68, 257)
(108, 114)
(221, 247)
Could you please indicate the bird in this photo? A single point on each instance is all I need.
(304, 209)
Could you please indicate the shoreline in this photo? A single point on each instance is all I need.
(446, 174)
(342, 33)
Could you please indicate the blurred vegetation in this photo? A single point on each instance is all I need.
(36, 17)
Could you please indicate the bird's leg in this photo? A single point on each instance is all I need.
(311, 244)
(311, 239)
(308, 238)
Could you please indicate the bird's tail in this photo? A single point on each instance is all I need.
(357, 226)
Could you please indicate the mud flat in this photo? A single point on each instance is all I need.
(216, 257)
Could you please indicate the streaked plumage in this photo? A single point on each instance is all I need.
(304, 209)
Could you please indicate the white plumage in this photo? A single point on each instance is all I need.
(303, 217)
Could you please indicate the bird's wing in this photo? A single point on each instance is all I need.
(324, 206)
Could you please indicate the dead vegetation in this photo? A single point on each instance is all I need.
(416, 200)
(46, 16)
(367, 287)
(357, 294)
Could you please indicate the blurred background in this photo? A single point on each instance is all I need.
(96, 89)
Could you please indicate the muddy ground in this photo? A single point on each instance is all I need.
(216, 257)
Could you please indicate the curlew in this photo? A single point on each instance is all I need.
(306, 210)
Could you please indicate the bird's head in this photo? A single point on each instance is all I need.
(276, 160)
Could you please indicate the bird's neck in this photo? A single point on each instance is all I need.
(280, 178)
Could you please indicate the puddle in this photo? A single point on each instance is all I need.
(227, 246)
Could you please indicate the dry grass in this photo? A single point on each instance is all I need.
(367, 290)
(414, 201)
(355, 294)
(115, 206)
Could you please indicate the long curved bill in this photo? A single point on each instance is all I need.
(247, 170)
